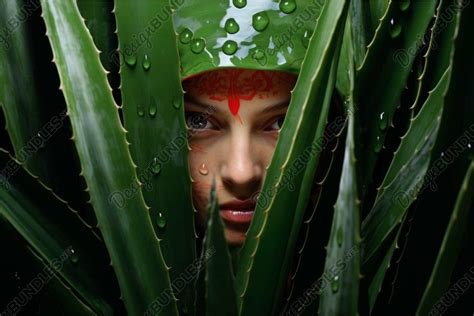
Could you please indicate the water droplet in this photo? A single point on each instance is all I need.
(340, 236)
(335, 284)
(306, 38)
(140, 111)
(131, 60)
(156, 166)
(73, 256)
(288, 6)
(161, 221)
(230, 47)
(404, 5)
(146, 62)
(378, 145)
(203, 169)
(197, 45)
(395, 28)
(260, 56)
(383, 123)
(177, 104)
(231, 26)
(240, 3)
(186, 36)
(152, 109)
(260, 21)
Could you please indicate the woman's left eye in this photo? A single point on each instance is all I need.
(196, 120)
(278, 123)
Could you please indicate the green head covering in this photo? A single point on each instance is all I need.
(251, 34)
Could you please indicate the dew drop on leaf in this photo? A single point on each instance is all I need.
(73, 256)
(156, 166)
(260, 21)
(230, 47)
(395, 28)
(239, 3)
(287, 6)
(197, 45)
(131, 60)
(161, 221)
(231, 26)
(146, 62)
(186, 36)
(335, 284)
(405, 5)
(152, 109)
(383, 123)
(140, 111)
(177, 104)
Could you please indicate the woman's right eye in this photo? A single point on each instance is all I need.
(197, 120)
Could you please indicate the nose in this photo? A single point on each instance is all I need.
(241, 170)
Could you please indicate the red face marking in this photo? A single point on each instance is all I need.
(240, 84)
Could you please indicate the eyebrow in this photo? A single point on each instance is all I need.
(212, 109)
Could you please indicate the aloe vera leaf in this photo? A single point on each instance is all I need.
(273, 230)
(106, 162)
(361, 29)
(100, 21)
(50, 226)
(341, 296)
(154, 117)
(387, 54)
(28, 266)
(219, 278)
(35, 120)
(404, 178)
(450, 247)
(375, 285)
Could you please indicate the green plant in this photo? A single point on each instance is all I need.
(86, 177)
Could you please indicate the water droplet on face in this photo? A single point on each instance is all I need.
(306, 38)
(203, 169)
(335, 284)
(73, 256)
(383, 123)
(161, 221)
(287, 6)
(230, 47)
(186, 36)
(156, 166)
(239, 3)
(378, 145)
(340, 236)
(146, 62)
(404, 5)
(177, 104)
(260, 21)
(231, 26)
(152, 109)
(395, 28)
(197, 45)
(131, 60)
(140, 111)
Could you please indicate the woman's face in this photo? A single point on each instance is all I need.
(234, 118)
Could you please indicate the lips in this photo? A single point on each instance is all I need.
(238, 212)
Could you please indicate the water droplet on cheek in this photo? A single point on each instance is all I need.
(203, 170)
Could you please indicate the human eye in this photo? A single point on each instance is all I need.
(277, 124)
(197, 121)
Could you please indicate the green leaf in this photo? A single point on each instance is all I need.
(389, 54)
(220, 288)
(404, 178)
(154, 118)
(264, 259)
(450, 247)
(106, 163)
(50, 227)
(341, 296)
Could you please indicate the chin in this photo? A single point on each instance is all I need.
(234, 238)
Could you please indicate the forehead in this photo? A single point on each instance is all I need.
(242, 83)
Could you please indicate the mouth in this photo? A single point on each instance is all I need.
(238, 212)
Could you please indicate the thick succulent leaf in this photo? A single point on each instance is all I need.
(154, 117)
(343, 250)
(220, 288)
(99, 21)
(448, 254)
(377, 103)
(50, 227)
(405, 175)
(272, 234)
(361, 29)
(35, 120)
(106, 162)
